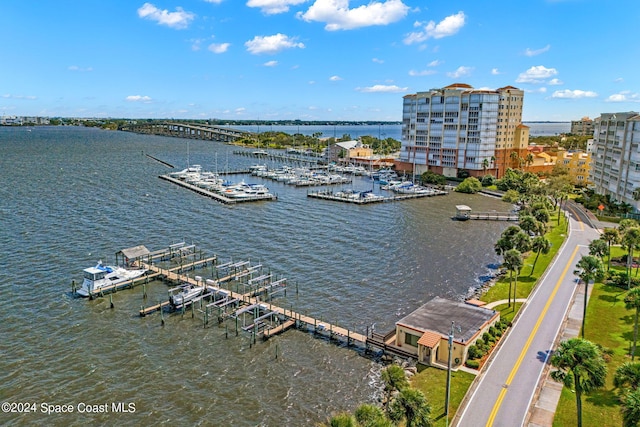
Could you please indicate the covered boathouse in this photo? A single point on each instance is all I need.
(425, 332)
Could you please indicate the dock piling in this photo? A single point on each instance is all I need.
(111, 301)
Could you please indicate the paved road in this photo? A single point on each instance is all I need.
(503, 392)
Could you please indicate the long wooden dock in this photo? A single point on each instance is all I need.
(250, 299)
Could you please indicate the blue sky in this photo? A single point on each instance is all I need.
(312, 59)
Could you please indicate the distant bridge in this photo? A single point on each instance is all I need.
(186, 130)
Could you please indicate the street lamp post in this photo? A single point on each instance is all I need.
(446, 402)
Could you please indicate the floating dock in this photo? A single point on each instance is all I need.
(218, 197)
(354, 198)
(464, 213)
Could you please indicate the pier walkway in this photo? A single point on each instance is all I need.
(250, 300)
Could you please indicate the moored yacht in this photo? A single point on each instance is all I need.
(102, 276)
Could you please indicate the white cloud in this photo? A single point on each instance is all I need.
(272, 44)
(624, 96)
(219, 47)
(179, 19)
(435, 63)
(337, 15)
(76, 68)
(536, 74)
(460, 72)
(415, 73)
(619, 80)
(532, 52)
(382, 89)
(574, 94)
(10, 96)
(447, 27)
(378, 61)
(495, 71)
(555, 82)
(272, 7)
(138, 98)
(335, 78)
(270, 63)
(214, 1)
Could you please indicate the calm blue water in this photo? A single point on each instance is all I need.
(71, 196)
(392, 131)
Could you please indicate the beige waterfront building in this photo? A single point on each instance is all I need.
(425, 332)
(582, 127)
(461, 128)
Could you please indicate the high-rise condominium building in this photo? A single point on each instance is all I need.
(460, 128)
(582, 127)
(615, 167)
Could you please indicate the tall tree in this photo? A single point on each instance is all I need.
(513, 263)
(599, 248)
(612, 237)
(412, 406)
(630, 240)
(579, 364)
(632, 302)
(528, 223)
(540, 244)
(588, 268)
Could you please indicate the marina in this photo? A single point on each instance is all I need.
(353, 268)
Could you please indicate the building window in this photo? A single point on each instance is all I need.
(411, 340)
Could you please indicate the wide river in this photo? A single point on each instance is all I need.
(72, 196)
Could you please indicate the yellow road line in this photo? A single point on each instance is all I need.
(503, 392)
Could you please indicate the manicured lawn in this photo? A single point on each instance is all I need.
(433, 383)
(527, 278)
(609, 324)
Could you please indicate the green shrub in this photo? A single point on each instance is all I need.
(473, 364)
(474, 352)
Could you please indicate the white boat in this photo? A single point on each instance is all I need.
(186, 293)
(189, 171)
(101, 276)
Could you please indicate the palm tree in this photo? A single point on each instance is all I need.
(412, 405)
(529, 159)
(627, 376)
(528, 223)
(599, 248)
(371, 416)
(394, 379)
(588, 268)
(632, 301)
(512, 262)
(485, 165)
(611, 236)
(540, 244)
(630, 240)
(631, 409)
(514, 158)
(580, 364)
